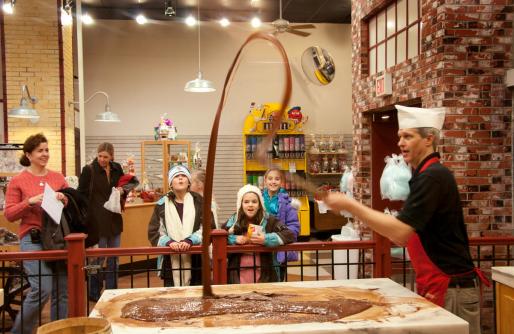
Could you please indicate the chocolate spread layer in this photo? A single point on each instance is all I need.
(256, 305)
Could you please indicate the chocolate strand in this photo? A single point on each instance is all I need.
(206, 233)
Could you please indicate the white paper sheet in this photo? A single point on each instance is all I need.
(51, 204)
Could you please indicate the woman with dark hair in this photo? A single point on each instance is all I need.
(104, 227)
(251, 224)
(23, 202)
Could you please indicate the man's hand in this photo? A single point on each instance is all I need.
(337, 201)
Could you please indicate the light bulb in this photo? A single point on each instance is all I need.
(224, 22)
(256, 22)
(190, 21)
(141, 19)
(87, 19)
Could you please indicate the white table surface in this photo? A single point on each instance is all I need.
(406, 311)
(504, 275)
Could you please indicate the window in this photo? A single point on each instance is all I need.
(394, 35)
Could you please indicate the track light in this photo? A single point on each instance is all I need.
(8, 6)
(169, 10)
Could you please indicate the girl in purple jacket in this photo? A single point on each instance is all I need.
(278, 204)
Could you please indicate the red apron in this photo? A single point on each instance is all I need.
(432, 283)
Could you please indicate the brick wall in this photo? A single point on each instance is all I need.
(32, 58)
(465, 51)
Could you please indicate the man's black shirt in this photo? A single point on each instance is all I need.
(434, 210)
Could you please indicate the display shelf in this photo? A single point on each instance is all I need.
(324, 174)
(287, 151)
(8, 174)
(158, 157)
(328, 153)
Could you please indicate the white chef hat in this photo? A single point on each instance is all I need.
(249, 189)
(410, 117)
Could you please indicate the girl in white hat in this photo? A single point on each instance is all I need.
(252, 225)
(176, 223)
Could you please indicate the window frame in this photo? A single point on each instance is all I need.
(394, 35)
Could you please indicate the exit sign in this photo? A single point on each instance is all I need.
(384, 85)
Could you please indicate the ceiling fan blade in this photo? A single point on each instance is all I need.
(303, 26)
(298, 32)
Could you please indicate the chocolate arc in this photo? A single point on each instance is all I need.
(206, 224)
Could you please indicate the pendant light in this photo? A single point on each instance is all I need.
(199, 85)
(107, 115)
(24, 110)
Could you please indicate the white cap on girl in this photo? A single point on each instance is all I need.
(249, 189)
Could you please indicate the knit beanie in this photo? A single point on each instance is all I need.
(249, 189)
(179, 170)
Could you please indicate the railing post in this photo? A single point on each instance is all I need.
(219, 256)
(382, 256)
(76, 277)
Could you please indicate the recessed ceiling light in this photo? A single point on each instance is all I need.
(224, 22)
(141, 19)
(256, 22)
(87, 19)
(190, 21)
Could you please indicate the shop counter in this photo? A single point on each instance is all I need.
(394, 309)
(504, 283)
(135, 228)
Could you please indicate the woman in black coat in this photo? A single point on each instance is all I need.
(104, 227)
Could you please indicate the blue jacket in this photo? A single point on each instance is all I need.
(288, 215)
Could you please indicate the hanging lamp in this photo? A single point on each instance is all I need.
(199, 85)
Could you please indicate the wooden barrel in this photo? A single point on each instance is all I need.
(80, 325)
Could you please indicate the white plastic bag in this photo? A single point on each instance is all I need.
(114, 203)
(394, 183)
(343, 184)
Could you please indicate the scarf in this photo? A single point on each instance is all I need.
(179, 230)
(271, 203)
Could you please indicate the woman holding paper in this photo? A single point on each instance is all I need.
(96, 182)
(252, 225)
(23, 202)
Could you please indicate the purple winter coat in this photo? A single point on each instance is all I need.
(289, 216)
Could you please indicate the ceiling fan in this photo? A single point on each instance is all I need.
(281, 25)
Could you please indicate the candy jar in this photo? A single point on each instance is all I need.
(334, 165)
(314, 148)
(325, 166)
(315, 166)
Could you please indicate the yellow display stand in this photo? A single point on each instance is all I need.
(288, 152)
